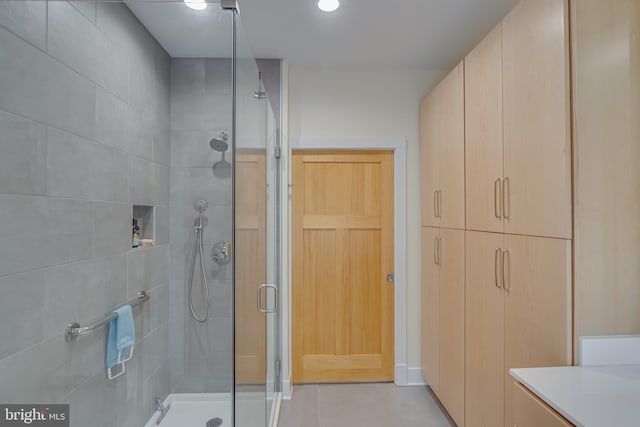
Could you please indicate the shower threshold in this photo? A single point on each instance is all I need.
(193, 409)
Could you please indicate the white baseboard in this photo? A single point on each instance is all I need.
(401, 377)
(408, 376)
(414, 376)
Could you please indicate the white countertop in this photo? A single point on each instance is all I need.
(588, 396)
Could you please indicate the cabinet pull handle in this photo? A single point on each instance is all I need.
(435, 204)
(497, 267)
(439, 250)
(496, 199)
(440, 204)
(506, 270)
(506, 199)
(435, 250)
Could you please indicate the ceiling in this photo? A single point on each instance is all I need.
(431, 34)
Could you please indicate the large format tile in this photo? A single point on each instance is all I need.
(49, 370)
(146, 268)
(162, 224)
(115, 121)
(218, 78)
(112, 228)
(37, 232)
(83, 292)
(82, 169)
(21, 311)
(361, 405)
(148, 182)
(187, 75)
(34, 85)
(142, 132)
(119, 24)
(189, 184)
(86, 7)
(191, 149)
(27, 19)
(302, 410)
(79, 44)
(22, 155)
(200, 111)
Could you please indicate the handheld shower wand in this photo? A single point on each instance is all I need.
(199, 205)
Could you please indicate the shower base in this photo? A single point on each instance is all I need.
(194, 409)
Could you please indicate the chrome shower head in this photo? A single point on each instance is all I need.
(220, 143)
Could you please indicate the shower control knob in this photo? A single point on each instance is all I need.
(221, 252)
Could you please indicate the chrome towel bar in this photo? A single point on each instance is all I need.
(74, 330)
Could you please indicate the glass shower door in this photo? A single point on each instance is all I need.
(255, 213)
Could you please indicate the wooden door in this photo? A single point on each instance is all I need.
(429, 164)
(529, 411)
(430, 311)
(250, 266)
(483, 134)
(450, 104)
(342, 253)
(537, 122)
(484, 401)
(538, 302)
(451, 322)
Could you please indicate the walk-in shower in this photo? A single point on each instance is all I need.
(127, 113)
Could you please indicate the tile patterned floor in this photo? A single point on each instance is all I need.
(361, 405)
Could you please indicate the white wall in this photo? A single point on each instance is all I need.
(376, 104)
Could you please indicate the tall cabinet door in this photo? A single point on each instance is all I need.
(430, 307)
(451, 323)
(429, 165)
(484, 399)
(537, 140)
(483, 134)
(538, 300)
(451, 149)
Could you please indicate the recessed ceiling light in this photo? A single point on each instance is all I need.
(328, 5)
(196, 4)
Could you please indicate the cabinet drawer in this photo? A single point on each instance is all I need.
(530, 411)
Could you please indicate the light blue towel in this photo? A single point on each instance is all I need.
(126, 330)
(112, 351)
(122, 337)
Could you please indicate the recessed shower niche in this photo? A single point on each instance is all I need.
(143, 226)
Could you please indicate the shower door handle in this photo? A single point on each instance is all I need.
(275, 300)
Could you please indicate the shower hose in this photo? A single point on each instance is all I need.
(198, 250)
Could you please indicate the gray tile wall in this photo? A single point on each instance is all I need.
(200, 110)
(84, 135)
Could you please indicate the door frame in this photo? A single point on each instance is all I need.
(399, 148)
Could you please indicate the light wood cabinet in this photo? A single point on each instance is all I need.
(537, 280)
(483, 134)
(451, 322)
(442, 153)
(430, 312)
(443, 316)
(518, 311)
(517, 213)
(518, 140)
(529, 411)
(429, 164)
(536, 119)
(484, 330)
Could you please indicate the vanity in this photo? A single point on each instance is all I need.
(603, 391)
